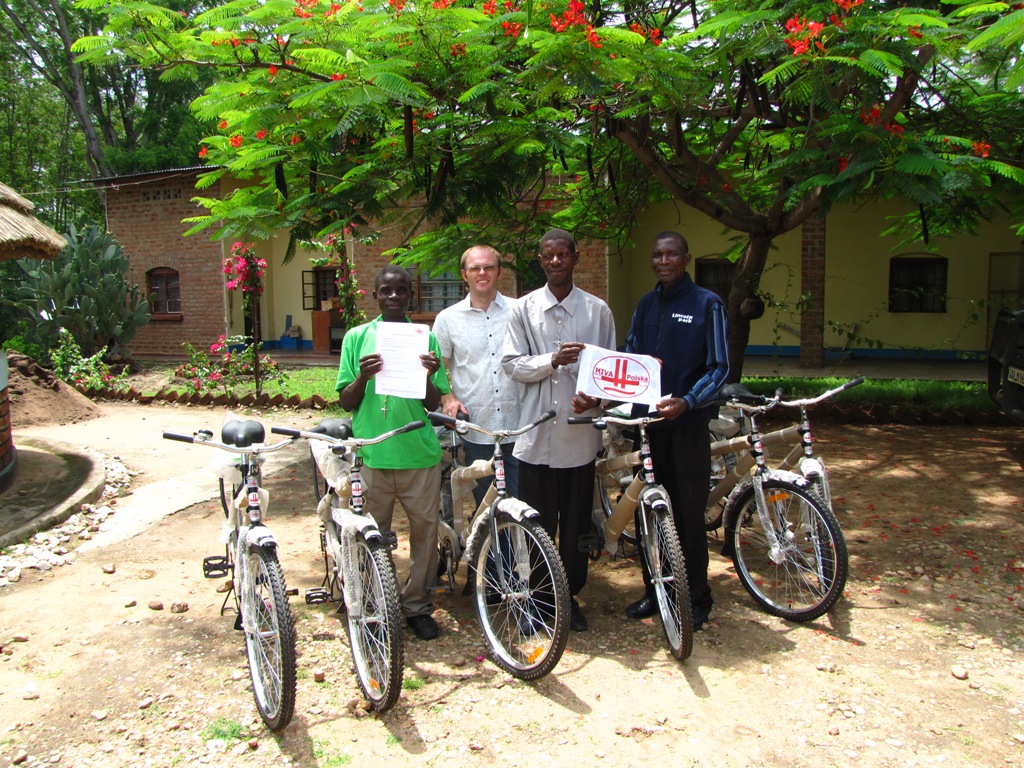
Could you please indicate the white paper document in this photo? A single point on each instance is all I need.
(400, 346)
(619, 376)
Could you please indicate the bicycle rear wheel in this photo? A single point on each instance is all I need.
(269, 638)
(375, 627)
(804, 574)
(521, 595)
(664, 554)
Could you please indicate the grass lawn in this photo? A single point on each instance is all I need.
(911, 393)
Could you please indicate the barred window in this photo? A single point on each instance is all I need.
(165, 284)
(917, 284)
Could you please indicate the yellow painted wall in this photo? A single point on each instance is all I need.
(856, 279)
(283, 296)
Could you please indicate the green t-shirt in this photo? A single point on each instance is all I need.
(413, 450)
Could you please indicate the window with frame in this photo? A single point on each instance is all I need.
(318, 285)
(432, 294)
(917, 284)
(166, 285)
(714, 274)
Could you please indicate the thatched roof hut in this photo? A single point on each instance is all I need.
(22, 236)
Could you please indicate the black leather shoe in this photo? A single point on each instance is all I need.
(423, 626)
(700, 616)
(642, 608)
(577, 621)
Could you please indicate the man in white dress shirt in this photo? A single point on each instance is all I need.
(471, 334)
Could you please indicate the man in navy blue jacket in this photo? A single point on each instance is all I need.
(683, 325)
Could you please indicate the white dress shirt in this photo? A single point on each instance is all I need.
(472, 339)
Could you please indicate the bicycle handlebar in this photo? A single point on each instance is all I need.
(601, 422)
(205, 437)
(761, 404)
(462, 426)
(823, 396)
(348, 442)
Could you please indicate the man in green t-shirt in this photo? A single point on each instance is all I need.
(407, 467)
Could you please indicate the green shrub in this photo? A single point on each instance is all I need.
(70, 366)
(231, 368)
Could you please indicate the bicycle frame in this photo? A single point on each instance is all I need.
(800, 459)
(464, 477)
(340, 462)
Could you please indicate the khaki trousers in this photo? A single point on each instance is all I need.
(419, 491)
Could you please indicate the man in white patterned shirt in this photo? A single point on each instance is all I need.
(547, 331)
(471, 334)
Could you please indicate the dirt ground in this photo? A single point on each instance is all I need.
(921, 663)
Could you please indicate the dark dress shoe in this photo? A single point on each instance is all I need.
(423, 626)
(642, 608)
(700, 616)
(577, 621)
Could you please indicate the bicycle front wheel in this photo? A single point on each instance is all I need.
(799, 572)
(375, 627)
(664, 554)
(522, 595)
(269, 638)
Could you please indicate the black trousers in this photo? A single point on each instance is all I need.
(682, 463)
(565, 499)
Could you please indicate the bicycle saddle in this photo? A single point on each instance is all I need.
(340, 429)
(741, 393)
(242, 434)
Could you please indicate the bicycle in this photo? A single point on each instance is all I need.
(257, 581)
(647, 502)
(515, 575)
(785, 542)
(726, 456)
(359, 573)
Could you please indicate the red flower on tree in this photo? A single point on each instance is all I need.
(490, 7)
(203, 151)
(236, 141)
(980, 148)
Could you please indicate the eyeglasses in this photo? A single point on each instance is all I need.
(487, 268)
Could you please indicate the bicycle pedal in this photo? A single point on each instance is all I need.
(390, 539)
(216, 567)
(292, 592)
(316, 595)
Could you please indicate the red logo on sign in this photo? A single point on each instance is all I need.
(621, 376)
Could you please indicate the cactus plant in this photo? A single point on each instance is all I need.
(86, 291)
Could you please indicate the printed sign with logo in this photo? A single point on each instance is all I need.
(619, 376)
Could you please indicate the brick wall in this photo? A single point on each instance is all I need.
(145, 216)
(812, 285)
(6, 441)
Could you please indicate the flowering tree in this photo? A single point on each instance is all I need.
(344, 277)
(245, 273)
(494, 120)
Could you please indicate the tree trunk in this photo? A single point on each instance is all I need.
(744, 285)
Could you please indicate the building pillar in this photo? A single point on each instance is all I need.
(812, 286)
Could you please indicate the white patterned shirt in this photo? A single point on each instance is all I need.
(471, 339)
(537, 322)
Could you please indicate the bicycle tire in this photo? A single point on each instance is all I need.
(667, 566)
(269, 638)
(807, 576)
(319, 481)
(526, 626)
(375, 627)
